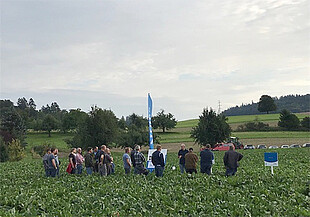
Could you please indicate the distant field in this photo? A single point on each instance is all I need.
(181, 133)
(57, 140)
(277, 134)
(175, 137)
(241, 119)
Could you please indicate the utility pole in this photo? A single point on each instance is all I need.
(219, 110)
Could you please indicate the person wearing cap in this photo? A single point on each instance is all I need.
(206, 157)
(191, 160)
(139, 162)
(231, 159)
(158, 161)
(181, 155)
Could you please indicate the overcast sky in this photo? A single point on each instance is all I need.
(187, 54)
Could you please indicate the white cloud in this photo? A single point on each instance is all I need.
(187, 54)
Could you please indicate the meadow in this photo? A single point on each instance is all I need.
(253, 192)
(182, 132)
(266, 118)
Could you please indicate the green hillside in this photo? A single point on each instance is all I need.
(241, 119)
(181, 133)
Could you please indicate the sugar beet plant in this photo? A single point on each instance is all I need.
(253, 192)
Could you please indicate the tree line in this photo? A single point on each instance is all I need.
(94, 128)
(292, 103)
(287, 120)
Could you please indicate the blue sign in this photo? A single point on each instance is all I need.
(150, 108)
(271, 159)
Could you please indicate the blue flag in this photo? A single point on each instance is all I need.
(150, 108)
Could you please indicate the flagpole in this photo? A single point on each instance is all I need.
(150, 108)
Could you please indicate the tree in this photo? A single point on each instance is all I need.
(36, 124)
(4, 152)
(266, 104)
(139, 121)
(6, 104)
(133, 136)
(164, 121)
(49, 124)
(99, 127)
(12, 125)
(22, 103)
(211, 128)
(72, 119)
(122, 123)
(306, 122)
(46, 109)
(134, 132)
(288, 120)
(55, 108)
(32, 104)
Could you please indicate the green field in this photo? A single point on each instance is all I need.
(241, 119)
(276, 134)
(56, 140)
(182, 131)
(182, 134)
(253, 192)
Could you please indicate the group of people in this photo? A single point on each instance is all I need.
(188, 160)
(51, 162)
(101, 161)
(95, 160)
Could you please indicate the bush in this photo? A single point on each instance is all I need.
(305, 123)
(16, 151)
(254, 126)
(41, 149)
(4, 153)
(288, 120)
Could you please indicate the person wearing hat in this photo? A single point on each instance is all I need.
(139, 160)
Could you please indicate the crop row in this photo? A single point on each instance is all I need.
(253, 192)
